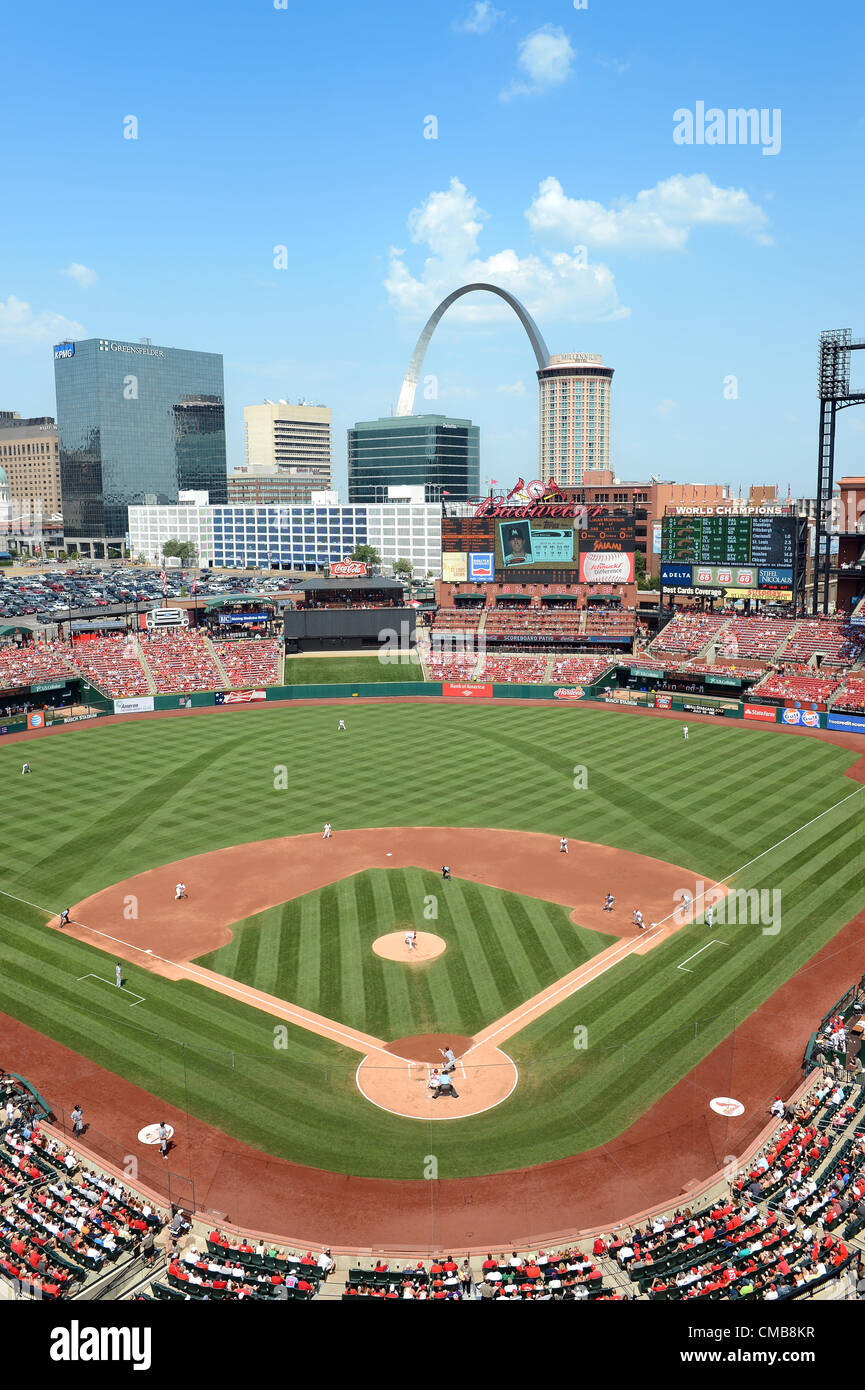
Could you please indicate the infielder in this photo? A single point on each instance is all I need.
(609, 902)
(179, 891)
(327, 831)
(563, 845)
(638, 919)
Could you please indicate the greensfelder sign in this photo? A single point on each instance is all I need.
(656, 672)
(49, 685)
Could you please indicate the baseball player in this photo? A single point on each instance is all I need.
(685, 909)
(638, 919)
(179, 891)
(411, 939)
(563, 845)
(118, 975)
(340, 728)
(685, 732)
(710, 916)
(609, 902)
(446, 871)
(25, 769)
(327, 831)
(64, 918)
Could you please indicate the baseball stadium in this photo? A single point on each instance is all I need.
(505, 945)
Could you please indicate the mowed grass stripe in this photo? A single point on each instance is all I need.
(745, 791)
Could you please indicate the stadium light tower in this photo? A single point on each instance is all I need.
(833, 388)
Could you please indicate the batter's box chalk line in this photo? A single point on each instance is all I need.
(139, 998)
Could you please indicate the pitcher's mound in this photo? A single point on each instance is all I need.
(393, 947)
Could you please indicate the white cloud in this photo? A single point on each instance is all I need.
(81, 274)
(19, 324)
(481, 18)
(657, 219)
(518, 388)
(665, 407)
(546, 58)
(449, 223)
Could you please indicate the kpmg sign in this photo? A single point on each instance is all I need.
(64, 350)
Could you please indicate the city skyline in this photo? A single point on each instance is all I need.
(535, 147)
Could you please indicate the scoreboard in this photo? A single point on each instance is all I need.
(728, 540)
(608, 533)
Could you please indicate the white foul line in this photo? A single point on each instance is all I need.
(139, 997)
(714, 942)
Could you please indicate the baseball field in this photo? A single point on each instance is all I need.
(113, 814)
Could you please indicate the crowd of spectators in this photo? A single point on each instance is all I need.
(24, 665)
(579, 670)
(754, 636)
(851, 696)
(827, 636)
(112, 664)
(688, 633)
(249, 662)
(798, 685)
(180, 662)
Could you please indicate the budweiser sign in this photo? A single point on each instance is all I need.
(349, 569)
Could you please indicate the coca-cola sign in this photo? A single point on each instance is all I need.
(349, 569)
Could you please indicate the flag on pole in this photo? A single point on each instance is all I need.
(164, 581)
(444, 493)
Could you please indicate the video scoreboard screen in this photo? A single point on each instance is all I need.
(728, 540)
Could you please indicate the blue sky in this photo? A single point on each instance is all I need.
(303, 127)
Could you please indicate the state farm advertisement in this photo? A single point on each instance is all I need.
(764, 712)
(467, 690)
(607, 567)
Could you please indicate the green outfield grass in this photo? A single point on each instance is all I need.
(347, 670)
(317, 951)
(106, 802)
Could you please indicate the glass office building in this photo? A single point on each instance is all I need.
(429, 451)
(291, 537)
(137, 424)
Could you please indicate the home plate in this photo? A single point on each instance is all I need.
(390, 854)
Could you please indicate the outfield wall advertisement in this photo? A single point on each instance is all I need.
(846, 723)
(136, 704)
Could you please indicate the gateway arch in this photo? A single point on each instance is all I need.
(405, 405)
